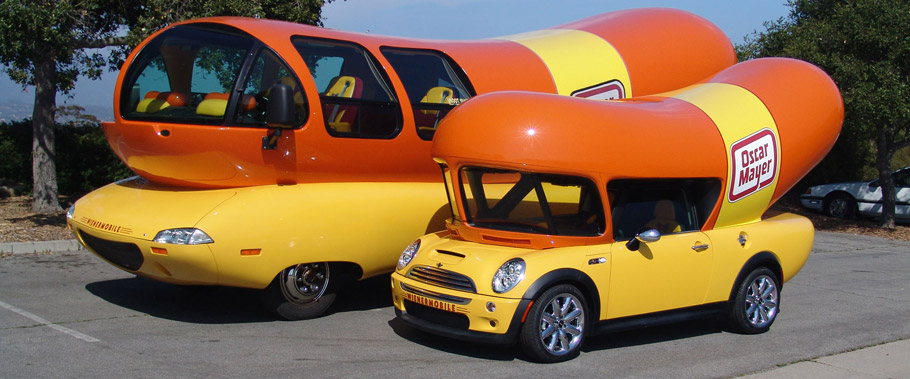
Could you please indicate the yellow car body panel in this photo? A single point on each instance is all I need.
(259, 231)
(661, 276)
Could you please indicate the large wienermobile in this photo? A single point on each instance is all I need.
(290, 158)
(572, 216)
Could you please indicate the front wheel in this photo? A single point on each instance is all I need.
(757, 302)
(841, 205)
(555, 327)
(301, 292)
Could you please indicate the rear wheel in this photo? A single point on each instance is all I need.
(555, 327)
(757, 302)
(301, 292)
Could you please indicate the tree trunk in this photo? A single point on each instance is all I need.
(44, 167)
(885, 151)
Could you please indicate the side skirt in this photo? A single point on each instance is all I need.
(660, 318)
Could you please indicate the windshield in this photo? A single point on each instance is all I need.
(531, 202)
(191, 74)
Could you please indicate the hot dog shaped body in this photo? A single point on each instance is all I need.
(194, 105)
(758, 127)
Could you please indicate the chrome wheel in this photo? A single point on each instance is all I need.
(757, 302)
(555, 327)
(301, 291)
(562, 324)
(761, 302)
(304, 283)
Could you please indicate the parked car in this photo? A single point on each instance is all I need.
(854, 199)
(572, 217)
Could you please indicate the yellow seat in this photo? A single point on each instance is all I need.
(155, 101)
(428, 119)
(664, 218)
(339, 119)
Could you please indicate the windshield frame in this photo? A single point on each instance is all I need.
(552, 194)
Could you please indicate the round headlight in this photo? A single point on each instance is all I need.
(408, 254)
(509, 275)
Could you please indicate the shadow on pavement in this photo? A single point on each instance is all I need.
(224, 305)
(607, 341)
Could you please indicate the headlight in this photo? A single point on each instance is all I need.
(509, 275)
(69, 211)
(183, 236)
(408, 254)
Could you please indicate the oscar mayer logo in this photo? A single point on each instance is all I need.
(754, 161)
(610, 90)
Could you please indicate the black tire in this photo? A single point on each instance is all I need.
(757, 302)
(840, 205)
(555, 327)
(301, 292)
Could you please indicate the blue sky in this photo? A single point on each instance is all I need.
(465, 19)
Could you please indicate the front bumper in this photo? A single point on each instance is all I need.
(176, 264)
(811, 202)
(456, 314)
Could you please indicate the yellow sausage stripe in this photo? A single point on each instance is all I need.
(752, 145)
(577, 60)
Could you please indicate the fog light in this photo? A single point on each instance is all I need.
(491, 307)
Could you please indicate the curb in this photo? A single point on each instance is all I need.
(39, 246)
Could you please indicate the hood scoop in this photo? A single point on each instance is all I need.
(445, 256)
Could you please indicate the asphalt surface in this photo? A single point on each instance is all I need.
(69, 314)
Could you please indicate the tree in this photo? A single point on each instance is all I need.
(864, 45)
(47, 43)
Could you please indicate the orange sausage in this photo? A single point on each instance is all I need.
(619, 54)
(758, 127)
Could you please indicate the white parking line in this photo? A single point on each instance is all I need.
(41, 321)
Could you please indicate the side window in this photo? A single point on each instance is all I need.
(434, 84)
(266, 70)
(902, 179)
(173, 76)
(670, 206)
(357, 100)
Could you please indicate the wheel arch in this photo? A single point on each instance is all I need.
(574, 277)
(838, 192)
(762, 259)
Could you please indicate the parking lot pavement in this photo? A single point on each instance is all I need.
(70, 314)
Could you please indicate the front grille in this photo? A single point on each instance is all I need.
(126, 255)
(442, 278)
(436, 295)
(437, 316)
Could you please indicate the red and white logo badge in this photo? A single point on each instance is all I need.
(754, 161)
(610, 90)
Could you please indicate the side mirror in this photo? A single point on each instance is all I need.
(647, 236)
(281, 111)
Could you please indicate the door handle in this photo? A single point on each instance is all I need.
(701, 247)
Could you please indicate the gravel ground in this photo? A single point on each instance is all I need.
(17, 224)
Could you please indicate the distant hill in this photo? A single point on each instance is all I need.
(16, 111)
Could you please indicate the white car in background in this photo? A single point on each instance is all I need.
(852, 199)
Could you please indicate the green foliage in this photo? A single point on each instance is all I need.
(864, 45)
(84, 159)
(16, 150)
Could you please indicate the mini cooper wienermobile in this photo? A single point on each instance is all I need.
(286, 157)
(572, 217)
